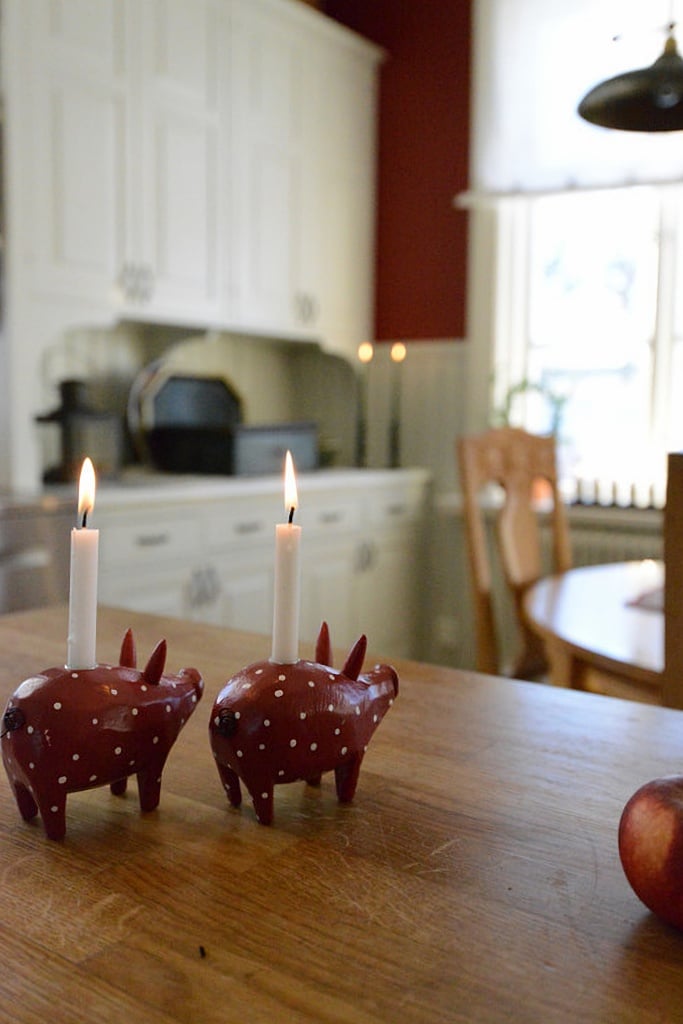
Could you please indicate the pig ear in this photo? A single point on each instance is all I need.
(155, 665)
(354, 662)
(323, 650)
(128, 657)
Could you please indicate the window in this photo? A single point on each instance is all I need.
(593, 342)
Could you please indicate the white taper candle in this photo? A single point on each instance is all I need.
(286, 601)
(82, 635)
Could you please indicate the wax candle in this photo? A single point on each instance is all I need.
(286, 602)
(81, 640)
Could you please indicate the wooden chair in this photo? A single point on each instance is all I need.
(514, 459)
(672, 688)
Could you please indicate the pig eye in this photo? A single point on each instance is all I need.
(12, 720)
(227, 722)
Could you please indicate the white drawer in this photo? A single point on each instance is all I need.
(147, 541)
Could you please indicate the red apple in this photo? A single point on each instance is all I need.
(651, 846)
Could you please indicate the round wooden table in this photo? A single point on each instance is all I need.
(602, 620)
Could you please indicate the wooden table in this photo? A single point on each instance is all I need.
(602, 622)
(474, 878)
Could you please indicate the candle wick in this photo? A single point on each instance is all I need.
(291, 515)
(84, 521)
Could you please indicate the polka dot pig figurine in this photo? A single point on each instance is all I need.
(275, 723)
(67, 730)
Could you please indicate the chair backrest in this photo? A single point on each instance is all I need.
(514, 459)
(672, 693)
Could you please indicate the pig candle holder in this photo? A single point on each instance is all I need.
(275, 723)
(68, 730)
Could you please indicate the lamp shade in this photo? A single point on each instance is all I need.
(648, 100)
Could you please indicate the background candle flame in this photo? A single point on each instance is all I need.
(291, 496)
(86, 489)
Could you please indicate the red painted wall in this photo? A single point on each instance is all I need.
(423, 161)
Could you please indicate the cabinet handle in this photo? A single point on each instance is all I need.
(364, 557)
(152, 540)
(396, 510)
(330, 518)
(250, 526)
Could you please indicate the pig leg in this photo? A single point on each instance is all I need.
(52, 806)
(346, 778)
(149, 784)
(231, 784)
(314, 780)
(28, 808)
(118, 788)
(263, 804)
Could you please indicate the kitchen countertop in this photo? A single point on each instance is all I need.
(135, 486)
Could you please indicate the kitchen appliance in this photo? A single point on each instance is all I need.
(193, 424)
(84, 431)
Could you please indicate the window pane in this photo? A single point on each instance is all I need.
(593, 295)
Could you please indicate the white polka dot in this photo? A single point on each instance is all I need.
(117, 750)
(337, 731)
(238, 714)
(168, 709)
(114, 692)
(264, 796)
(54, 809)
(92, 778)
(95, 721)
(292, 743)
(29, 730)
(357, 709)
(134, 711)
(74, 757)
(194, 698)
(374, 718)
(31, 765)
(281, 772)
(302, 715)
(61, 780)
(311, 683)
(279, 693)
(258, 672)
(391, 702)
(57, 705)
(266, 722)
(155, 739)
(281, 678)
(262, 746)
(74, 675)
(344, 750)
(314, 746)
(330, 676)
(330, 707)
(131, 763)
(246, 686)
(239, 753)
(143, 688)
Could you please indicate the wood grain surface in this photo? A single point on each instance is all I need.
(475, 877)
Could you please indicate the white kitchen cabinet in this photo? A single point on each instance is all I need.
(124, 148)
(304, 116)
(210, 556)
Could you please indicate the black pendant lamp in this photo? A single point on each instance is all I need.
(649, 100)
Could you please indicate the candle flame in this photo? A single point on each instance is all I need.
(398, 352)
(86, 490)
(365, 352)
(291, 496)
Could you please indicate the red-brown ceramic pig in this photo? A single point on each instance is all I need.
(65, 731)
(275, 723)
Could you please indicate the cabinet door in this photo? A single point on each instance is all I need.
(174, 253)
(388, 596)
(270, 111)
(76, 71)
(328, 590)
(347, 129)
(245, 599)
